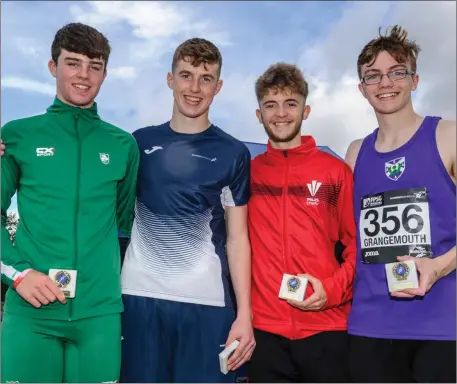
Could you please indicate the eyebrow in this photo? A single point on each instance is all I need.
(390, 69)
(74, 59)
(186, 72)
(274, 101)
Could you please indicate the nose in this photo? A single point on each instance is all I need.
(195, 85)
(83, 71)
(385, 81)
(281, 111)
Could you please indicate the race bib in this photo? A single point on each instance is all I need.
(395, 223)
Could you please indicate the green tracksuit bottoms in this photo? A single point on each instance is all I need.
(59, 351)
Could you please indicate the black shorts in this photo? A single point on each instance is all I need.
(318, 358)
(373, 360)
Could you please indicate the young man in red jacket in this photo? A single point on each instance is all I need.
(300, 223)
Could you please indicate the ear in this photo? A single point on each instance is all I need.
(415, 82)
(219, 85)
(306, 112)
(52, 68)
(259, 115)
(170, 80)
(362, 90)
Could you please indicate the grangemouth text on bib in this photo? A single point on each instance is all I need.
(395, 223)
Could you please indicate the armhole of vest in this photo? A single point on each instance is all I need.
(436, 154)
(361, 151)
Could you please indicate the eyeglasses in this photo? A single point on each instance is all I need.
(376, 78)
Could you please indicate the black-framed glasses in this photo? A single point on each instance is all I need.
(395, 75)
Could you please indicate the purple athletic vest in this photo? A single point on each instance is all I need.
(412, 186)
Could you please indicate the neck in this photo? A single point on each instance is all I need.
(294, 143)
(183, 124)
(397, 128)
(62, 99)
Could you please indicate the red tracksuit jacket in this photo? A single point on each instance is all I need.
(301, 206)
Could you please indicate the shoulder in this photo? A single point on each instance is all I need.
(352, 152)
(445, 142)
(20, 127)
(124, 136)
(235, 146)
(446, 130)
(337, 166)
(148, 132)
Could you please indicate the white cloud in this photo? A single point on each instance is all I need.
(158, 26)
(340, 114)
(29, 85)
(123, 72)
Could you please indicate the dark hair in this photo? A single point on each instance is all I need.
(396, 44)
(83, 39)
(279, 77)
(197, 51)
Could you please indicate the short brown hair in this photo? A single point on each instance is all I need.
(83, 39)
(396, 44)
(197, 51)
(279, 77)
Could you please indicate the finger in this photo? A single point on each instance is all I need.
(34, 302)
(46, 292)
(245, 358)
(242, 355)
(402, 294)
(316, 307)
(40, 297)
(239, 351)
(56, 291)
(305, 303)
(404, 258)
(311, 279)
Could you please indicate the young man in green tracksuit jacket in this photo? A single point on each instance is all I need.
(75, 176)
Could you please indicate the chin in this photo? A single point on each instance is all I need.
(192, 113)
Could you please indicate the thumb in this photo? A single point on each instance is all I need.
(311, 279)
(404, 258)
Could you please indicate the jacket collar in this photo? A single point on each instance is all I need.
(58, 107)
(308, 146)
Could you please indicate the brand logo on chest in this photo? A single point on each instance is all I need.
(45, 152)
(313, 188)
(104, 157)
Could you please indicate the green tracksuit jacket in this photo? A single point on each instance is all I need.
(75, 178)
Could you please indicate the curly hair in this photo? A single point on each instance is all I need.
(280, 77)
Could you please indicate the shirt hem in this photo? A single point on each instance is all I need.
(397, 336)
(181, 299)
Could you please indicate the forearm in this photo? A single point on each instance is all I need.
(239, 260)
(446, 263)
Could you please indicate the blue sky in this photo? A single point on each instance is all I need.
(323, 38)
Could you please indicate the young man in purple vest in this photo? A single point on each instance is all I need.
(405, 209)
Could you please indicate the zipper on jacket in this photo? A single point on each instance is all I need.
(285, 196)
(75, 234)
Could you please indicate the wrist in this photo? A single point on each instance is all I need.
(443, 266)
(21, 276)
(244, 314)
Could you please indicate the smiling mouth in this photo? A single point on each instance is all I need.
(81, 87)
(282, 123)
(193, 100)
(387, 95)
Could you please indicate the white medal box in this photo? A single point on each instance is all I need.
(65, 279)
(401, 275)
(293, 287)
(225, 355)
